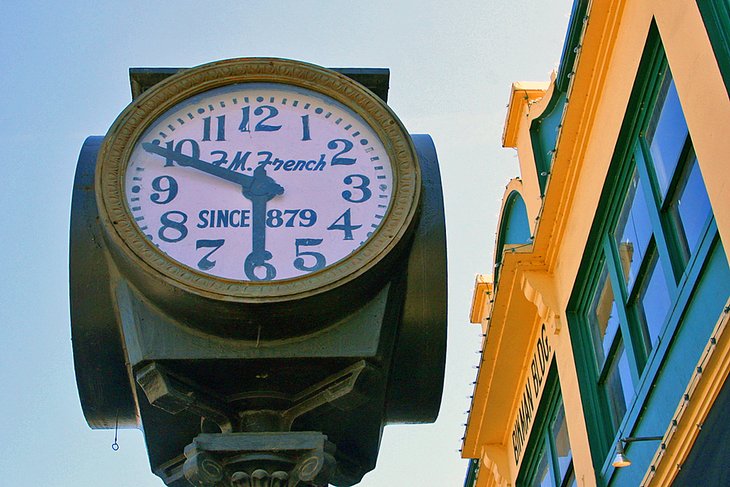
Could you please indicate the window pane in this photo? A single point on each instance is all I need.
(653, 302)
(603, 317)
(544, 477)
(691, 207)
(619, 387)
(562, 443)
(633, 231)
(667, 133)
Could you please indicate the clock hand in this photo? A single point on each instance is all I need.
(187, 161)
(261, 190)
(258, 188)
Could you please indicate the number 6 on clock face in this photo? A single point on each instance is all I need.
(259, 181)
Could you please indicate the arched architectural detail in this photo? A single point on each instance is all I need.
(514, 229)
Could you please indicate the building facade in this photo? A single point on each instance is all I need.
(605, 318)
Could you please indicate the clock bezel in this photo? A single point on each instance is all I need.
(133, 122)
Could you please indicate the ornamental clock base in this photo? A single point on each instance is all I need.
(257, 459)
(261, 320)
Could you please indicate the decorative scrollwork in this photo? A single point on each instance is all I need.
(310, 467)
(202, 470)
(240, 460)
(260, 478)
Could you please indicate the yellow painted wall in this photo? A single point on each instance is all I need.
(537, 281)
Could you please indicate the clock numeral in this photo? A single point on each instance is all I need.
(347, 147)
(170, 146)
(305, 128)
(319, 260)
(220, 128)
(256, 261)
(169, 189)
(261, 126)
(363, 187)
(291, 214)
(194, 150)
(175, 226)
(346, 225)
(205, 263)
(307, 218)
(245, 118)
(276, 218)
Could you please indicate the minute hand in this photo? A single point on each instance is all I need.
(188, 161)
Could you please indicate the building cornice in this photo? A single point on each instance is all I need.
(523, 95)
(583, 104)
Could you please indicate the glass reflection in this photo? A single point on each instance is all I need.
(544, 477)
(666, 133)
(603, 317)
(619, 386)
(691, 207)
(653, 302)
(633, 231)
(562, 443)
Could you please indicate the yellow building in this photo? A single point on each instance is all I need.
(605, 316)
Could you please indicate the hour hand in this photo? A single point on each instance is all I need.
(188, 161)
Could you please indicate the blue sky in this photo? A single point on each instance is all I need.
(64, 77)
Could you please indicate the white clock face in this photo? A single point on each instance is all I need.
(259, 182)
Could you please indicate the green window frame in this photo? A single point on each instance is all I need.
(716, 16)
(646, 244)
(548, 459)
(472, 473)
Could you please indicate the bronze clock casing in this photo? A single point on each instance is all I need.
(288, 307)
(178, 361)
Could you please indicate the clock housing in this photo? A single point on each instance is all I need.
(191, 234)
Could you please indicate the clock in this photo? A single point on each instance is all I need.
(256, 247)
(257, 180)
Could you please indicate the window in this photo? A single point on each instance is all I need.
(614, 377)
(653, 217)
(549, 460)
(633, 231)
(672, 165)
(472, 473)
(689, 208)
(561, 446)
(667, 133)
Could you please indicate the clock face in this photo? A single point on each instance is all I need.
(258, 182)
